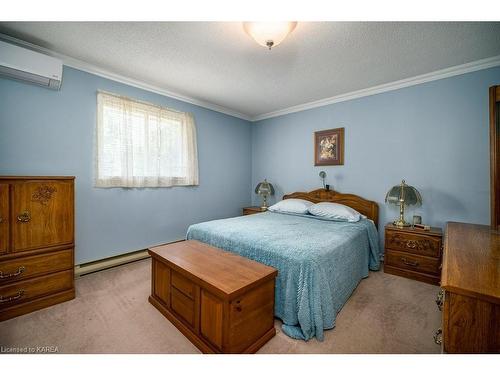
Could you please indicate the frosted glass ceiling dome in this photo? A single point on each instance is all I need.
(269, 34)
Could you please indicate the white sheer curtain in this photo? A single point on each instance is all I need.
(143, 145)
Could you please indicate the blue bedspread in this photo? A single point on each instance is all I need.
(319, 262)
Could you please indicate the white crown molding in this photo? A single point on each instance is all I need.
(413, 81)
(94, 69)
(417, 80)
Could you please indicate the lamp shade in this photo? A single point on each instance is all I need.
(403, 193)
(264, 188)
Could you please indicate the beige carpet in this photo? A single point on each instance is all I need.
(111, 314)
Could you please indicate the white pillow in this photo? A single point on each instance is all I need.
(334, 211)
(291, 206)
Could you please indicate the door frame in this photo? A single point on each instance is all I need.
(494, 156)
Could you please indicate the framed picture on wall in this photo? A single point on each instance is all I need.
(329, 147)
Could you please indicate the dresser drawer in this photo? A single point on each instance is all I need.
(183, 284)
(414, 243)
(22, 268)
(26, 290)
(183, 306)
(412, 262)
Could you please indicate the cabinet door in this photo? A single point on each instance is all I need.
(42, 214)
(4, 218)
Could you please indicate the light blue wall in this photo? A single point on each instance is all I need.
(44, 132)
(435, 135)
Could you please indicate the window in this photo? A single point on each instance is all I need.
(143, 145)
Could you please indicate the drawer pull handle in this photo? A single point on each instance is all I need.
(19, 271)
(438, 336)
(409, 263)
(24, 217)
(18, 295)
(411, 244)
(440, 300)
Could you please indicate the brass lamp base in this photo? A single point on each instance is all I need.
(401, 223)
(264, 203)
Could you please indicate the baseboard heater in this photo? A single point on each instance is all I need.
(118, 260)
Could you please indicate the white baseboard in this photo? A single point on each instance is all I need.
(99, 265)
(102, 264)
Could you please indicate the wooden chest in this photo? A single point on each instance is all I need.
(36, 243)
(413, 253)
(222, 302)
(471, 284)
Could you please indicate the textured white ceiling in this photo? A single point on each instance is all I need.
(218, 63)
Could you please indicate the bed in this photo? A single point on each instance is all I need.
(319, 262)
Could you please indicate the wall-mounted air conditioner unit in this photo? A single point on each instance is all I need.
(29, 66)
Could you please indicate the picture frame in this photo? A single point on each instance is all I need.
(329, 147)
(417, 219)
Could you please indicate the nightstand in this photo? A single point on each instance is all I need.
(413, 253)
(253, 210)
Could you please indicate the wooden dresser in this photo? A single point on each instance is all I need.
(413, 253)
(222, 302)
(471, 283)
(36, 243)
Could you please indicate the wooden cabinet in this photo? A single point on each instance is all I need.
(220, 301)
(4, 218)
(36, 243)
(471, 307)
(413, 253)
(253, 210)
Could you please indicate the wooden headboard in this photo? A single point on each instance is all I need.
(363, 206)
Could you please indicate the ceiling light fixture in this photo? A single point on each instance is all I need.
(269, 34)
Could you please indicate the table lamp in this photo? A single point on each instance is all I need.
(264, 189)
(403, 195)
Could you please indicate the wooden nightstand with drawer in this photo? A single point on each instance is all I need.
(253, 210)
(413, 253)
